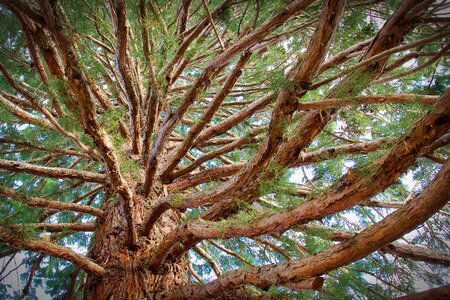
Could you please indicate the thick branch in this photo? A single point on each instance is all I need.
(20, 167)
(79, 84)
(327, 153)
(439, 293)
(351, 189)
(44, 203)
(127, 70)
(373, 99)
(55, 250)
(59, 227)
(395, 248)
(415, 212)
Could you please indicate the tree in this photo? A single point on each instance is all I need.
(149, 148)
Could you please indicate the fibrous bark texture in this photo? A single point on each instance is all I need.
(229, 149)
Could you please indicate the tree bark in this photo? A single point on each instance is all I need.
(129, 276)
(440, 293)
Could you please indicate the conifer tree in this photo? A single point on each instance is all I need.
(224, 149)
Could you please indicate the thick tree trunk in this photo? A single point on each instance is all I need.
(129, 276)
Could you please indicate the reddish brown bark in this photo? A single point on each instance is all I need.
(404, 250)
(129, 276)
(440, 293)
(52, 249)
(44, 203)
(415, 212)
(140, 239)
(20, 167)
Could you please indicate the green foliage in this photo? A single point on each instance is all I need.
(275, 179)
(278, 82)
(246, 215)
(29, 232)
(178, 200)
(266, 72)
(111, 119)
(111, 122)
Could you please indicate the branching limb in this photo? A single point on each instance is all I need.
(193, 34)
(20, 167)
(210, 155)
(442, 292)
(73, 280)
(33, 270)
(301, 76)
(328, 153)
(413, 252)
(24, 115)
(200, 251)
(207, 116)
(44, 203)
(208, 175)
(233, 120)
(428, 63)
(127, 70)
(365, 100)
(60, 227)
(52, 249)
(79, 84)
(343, 56)
(415, 212)
(182, 16)
(231, 252)
(204, 80)
(41, 148)
(194, 273)
(382, 56)
(351, 189)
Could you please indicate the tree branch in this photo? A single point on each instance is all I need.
(60, 227)
(214, 105)
(351, 189)
(52, 249)
(127, 70)
(204, 80)
(415, 212)
(44, 203)
(20, 167)
(442, 292)
(364, 100)
(79, 84)
(395, 248)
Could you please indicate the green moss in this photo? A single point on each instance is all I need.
(275, 179)
(245, 216)
(111, 119)
(178, 200)
(352, 85)
(29, 231)
(320, 232)
(278, 81)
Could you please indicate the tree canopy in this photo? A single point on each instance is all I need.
(199, 149)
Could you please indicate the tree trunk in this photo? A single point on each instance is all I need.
(130, 277)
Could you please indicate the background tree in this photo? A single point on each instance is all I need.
(224, 149)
